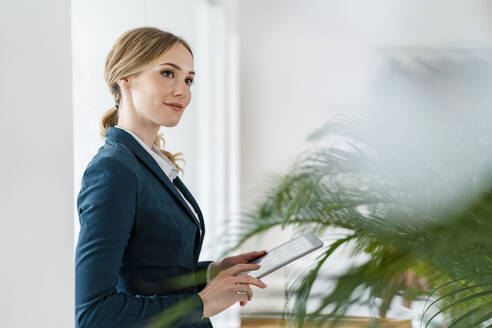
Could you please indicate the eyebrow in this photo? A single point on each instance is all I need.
(176, 67)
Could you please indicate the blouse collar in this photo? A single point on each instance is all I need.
(165, 164)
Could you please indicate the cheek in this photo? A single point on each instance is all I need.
(144, 94)
(140, 99)
(153, 95)
(188, 97)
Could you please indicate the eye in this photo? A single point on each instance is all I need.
(189, 81)
(168, 73)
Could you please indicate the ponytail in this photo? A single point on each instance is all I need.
(109, 119)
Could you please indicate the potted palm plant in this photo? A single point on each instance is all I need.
(424, 225)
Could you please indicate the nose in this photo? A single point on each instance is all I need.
(179, 89)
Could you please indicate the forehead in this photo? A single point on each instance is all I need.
(177, 55)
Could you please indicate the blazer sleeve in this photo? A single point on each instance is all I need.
(201, 275)
(106, 206)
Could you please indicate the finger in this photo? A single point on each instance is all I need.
(238, 268)
(242, 288)
(250, 293)
(242, 298)
(254, 254)
(249, 280)
(257, 260)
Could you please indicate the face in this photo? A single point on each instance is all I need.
(161, 92)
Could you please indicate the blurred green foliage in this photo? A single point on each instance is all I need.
(419, 243)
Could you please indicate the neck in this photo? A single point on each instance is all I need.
(128, 119)
(146, 133)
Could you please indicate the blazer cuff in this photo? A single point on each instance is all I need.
(202, 265)
(189, 314)
(201, 275)
(196, 313)
(208, 272)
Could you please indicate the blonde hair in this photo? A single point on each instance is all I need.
(134, 51)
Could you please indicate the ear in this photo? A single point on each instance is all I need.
(124, 83)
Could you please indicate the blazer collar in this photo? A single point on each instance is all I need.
(128, 140)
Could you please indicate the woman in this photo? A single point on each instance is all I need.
(141, 231)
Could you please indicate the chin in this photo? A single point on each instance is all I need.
(169, 124)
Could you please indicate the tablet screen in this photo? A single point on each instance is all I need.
(286, 253)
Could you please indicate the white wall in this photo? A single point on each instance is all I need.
(36, 198)
(302, 61)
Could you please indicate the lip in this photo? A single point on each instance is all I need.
(174, 106)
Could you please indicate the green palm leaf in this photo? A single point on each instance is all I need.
(399, 229)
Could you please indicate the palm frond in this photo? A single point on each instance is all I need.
(443, 238)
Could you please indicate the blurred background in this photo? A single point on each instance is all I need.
(269, 73)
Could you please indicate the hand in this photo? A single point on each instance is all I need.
(221, 292)
(217, 267)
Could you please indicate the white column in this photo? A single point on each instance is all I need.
(207, 134)
(36, 170)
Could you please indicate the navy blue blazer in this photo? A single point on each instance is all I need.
(137, 236)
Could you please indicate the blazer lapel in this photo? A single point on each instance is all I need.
(128, 140)
(187, 194)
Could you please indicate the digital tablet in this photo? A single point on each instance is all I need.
(284, 254)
